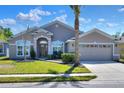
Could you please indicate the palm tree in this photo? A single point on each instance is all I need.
(76, 9)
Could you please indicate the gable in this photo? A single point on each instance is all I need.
(56, 22)
(60, 31)
(97, 36)
(28, 35)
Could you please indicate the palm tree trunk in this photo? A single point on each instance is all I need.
(77, 59)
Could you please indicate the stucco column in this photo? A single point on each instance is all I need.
(35, 46)
(50, 49)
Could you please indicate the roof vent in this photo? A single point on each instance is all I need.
(56, 25)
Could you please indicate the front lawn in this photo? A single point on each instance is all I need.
(37, 67)
(121, 60)
(44, 79)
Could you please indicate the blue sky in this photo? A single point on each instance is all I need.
(107, 18)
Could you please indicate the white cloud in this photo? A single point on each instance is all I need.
(7, 22)
(121, 9)
(100, 20)
(28, 17)
(111, 24)
(54, 12)
(61, 18)
(84, 20)
(33, 15)
(61, 11)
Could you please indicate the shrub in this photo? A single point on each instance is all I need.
(68, 57)
(32, 53)
(50, 57)
(57, 54)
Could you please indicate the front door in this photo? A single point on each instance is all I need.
(43, 50)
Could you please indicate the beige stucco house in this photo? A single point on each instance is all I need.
(57, 36)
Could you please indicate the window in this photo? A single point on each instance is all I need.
(72, 45)
(1, 48)
(104, 46)
(20, 50)
(58, 46)
(116, 45)
(22, 46)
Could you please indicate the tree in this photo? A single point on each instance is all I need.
(76, 10)
(122, 34)
(5, 33)
(2, 36)
(117, 34)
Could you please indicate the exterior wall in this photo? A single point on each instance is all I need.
(12, 53)
(12, 45)
(5, 49)
(70, 47)
(26, 36)
(95, 38)
(91, 38)
(60, 32)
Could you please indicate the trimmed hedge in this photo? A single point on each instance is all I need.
(32, 53)
(68, 57)
(55, 55)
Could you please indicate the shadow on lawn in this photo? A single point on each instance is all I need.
(4, 58)
(69, 71)
(63, 78)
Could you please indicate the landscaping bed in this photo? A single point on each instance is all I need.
(44, 79)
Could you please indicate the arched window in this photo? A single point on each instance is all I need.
(58, 46)
(21, 46)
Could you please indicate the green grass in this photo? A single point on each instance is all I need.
(44, 79)
(121, 60)
(37, 67)
(4, 60)
(3, 57)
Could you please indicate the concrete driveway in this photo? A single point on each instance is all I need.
(106, 70)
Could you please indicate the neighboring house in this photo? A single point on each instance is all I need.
(58, 36)
(120, 45)
(3, 48)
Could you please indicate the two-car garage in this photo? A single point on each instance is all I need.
(95, 45)
(96, 52)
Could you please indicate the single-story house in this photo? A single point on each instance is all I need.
(3, 48)
(120, 45)
(57, 36)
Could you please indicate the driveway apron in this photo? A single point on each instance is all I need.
(106, 70)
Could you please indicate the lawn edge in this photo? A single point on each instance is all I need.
(45, 79)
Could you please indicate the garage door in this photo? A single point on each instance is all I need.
(99, 52)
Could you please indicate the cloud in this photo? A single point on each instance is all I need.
(121, 9)
(54, 12)
(28, 17)
(61, 11)
(61, 18)
(33, 15)
(84, 20)
(100, 20)
(111, 24)
(7, 22)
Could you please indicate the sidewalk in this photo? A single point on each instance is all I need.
(47, 75)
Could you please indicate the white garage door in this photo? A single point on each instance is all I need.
(95, 52)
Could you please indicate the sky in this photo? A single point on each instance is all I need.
(109, 19)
